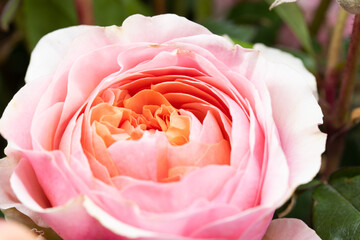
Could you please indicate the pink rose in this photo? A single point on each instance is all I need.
(158, 129)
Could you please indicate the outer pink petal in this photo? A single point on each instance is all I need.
(247, 225)
(287, 228)
(277, 56)
(296, 119)
(159, 29)
(7, 196)
(72, 222)
(51, 53)
(21, 111)
(50, 50)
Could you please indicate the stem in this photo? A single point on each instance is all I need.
(8, 45)
(348, 81)
(319, 17)
(84, 9)
(336, 120)
(334, 149)
(331, 74)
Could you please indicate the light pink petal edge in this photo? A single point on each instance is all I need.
(297, 118)
(288, 228)
(50, 50)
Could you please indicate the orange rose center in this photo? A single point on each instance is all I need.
(129, 117)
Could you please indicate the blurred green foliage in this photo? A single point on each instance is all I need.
(42, 16)
(107, 11)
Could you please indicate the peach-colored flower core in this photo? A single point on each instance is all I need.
(129, 117)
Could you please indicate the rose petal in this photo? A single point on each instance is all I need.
(149, 163)
(7, 197)
(276, 56)
(297, 119)
(159, 29)
(21, 111)
(49, 52)
(287, 228)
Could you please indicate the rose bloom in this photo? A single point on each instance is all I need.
(158, 129)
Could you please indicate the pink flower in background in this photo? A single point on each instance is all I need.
(15, 231)
(158, 129)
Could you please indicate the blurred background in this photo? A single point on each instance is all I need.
(303, 29)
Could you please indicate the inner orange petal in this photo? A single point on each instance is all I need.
(147, 110)
(145, 97)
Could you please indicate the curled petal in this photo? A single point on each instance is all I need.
(288, 228)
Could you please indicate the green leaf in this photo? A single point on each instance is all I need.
(292, 15)
(8, 13)
(44, 16)
(336, 209)
(114, 12)
(242, 33)
(242, 43)
(300, 204)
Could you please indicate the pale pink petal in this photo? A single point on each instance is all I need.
(179, 224)
(71, 221)
(50, 50)
(21, 111)
(220, 48)
(36, 176)
(141, 164)
(211, 132)
(179, 195)
(296, 119)
(8, 198)
(277, 56)
(87, 70)
(288, 228)
(51, 55)
(45, 120)
(120, 228)
(249, 224)
(159, 29)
